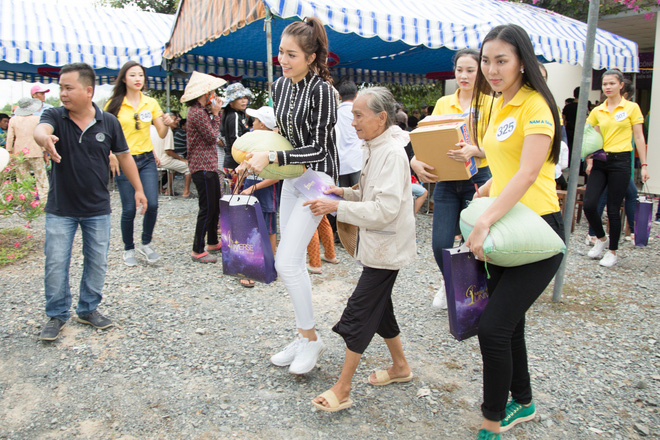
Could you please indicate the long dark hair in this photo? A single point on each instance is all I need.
(472, 53)
(119, 91)
(312, 39)
(519, 39)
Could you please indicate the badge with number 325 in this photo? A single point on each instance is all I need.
(506, 128)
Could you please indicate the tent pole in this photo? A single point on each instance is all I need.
(168, 83)
(585, 86)
(269, 53)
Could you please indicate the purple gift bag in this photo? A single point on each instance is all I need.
(246, 249)
(643, 220)
(467, 293)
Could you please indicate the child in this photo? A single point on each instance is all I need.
(265, 190)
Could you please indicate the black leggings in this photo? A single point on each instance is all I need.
(512, 291)
(369, 310)
(615, 175)
(208, 190)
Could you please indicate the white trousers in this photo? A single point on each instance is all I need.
(297, 226)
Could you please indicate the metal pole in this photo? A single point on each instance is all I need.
(168, 83)
(585, 86)
(269, 53)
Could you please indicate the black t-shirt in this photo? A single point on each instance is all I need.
(234, 124)
(570, 115)
(79, 183)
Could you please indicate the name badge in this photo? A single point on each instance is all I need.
(506, 128)
(620, 116)
(145, 116)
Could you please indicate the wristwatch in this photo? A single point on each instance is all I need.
(272, 156)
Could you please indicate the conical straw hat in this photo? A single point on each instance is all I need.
(200, 84)
(348, 235)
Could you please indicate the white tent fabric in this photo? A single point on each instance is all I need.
(414, 37)
(42, 32)
(459, 24)
(37, 37)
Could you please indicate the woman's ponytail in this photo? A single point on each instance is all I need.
(312, 39)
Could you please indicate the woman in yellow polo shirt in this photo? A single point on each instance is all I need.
(450, 197)
(136, 112)
(617, 119)
(522, 144)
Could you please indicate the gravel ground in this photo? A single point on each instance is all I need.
(188, 358)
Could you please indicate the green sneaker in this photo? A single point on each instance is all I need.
(484, 434)
(517, 413)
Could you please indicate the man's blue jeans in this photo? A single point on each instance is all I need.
(449, 199)
(146, 166)
(59, 241)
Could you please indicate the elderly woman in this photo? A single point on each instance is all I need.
(382, 208)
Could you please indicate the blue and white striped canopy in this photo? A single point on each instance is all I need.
(409, 37)
(37, 37)
(46, 32)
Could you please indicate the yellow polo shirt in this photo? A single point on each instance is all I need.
(139, 141)
(616, 126)
(449, 105)
(527, 113)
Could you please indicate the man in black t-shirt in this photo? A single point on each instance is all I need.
(79, 138)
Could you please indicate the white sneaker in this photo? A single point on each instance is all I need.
(609, 259)
(599, 247)
(308, 353)
(440, 299)
(147, 251)
(589, 241)
(286, 356)
(129, 258)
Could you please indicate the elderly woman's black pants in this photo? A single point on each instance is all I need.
(369, 310)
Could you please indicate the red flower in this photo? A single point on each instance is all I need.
(17, 244)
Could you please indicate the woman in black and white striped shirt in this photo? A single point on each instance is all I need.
(306, 112)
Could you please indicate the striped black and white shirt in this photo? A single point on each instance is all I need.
(306, 113)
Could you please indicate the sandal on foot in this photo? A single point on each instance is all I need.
(330, 260)
(247, 283)
(204, 257)
(383, 378)
(335, 404)
(314, 270)
(215, 249)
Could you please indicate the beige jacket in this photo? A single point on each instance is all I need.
(382, 206)
(20, 135)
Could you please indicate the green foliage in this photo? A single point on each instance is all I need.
(54, 101)
(6, 109)
(260, 98)
(15, 243)
(16, 197)
(414, 96)
(162, 6)
(175, 104)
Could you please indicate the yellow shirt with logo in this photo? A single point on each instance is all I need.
(449, 105)
(526, 114)
(138, 140)
(616, 126)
